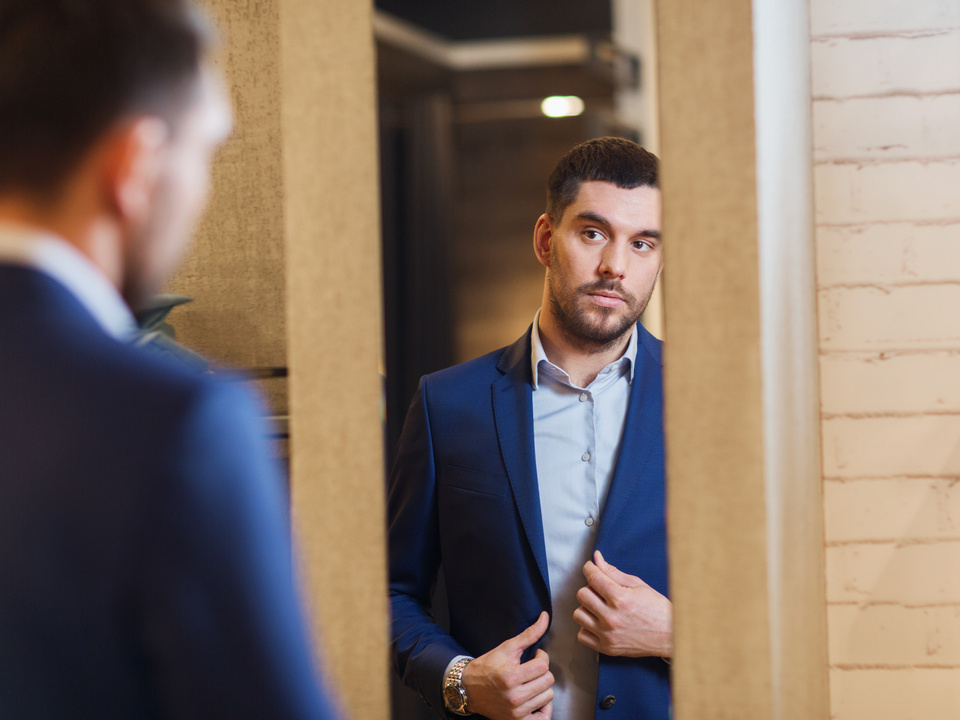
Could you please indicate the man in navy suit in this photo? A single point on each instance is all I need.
(145, 559)
(533, 479)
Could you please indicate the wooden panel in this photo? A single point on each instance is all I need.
(332, 229)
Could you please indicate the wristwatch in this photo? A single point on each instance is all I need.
(454, 696)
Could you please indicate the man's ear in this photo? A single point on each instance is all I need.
(133, 157)
(543, 239)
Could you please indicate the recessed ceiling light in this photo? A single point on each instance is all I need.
(562, 106)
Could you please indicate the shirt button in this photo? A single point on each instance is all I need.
(588, 522)
(608, 702)
(583, 397)
(585, 456)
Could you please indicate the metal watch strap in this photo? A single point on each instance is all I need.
(453, 682)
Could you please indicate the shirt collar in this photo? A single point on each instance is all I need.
(538, 354)
(55, 257)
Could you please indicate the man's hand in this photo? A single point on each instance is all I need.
(501, 688)
(620, 614)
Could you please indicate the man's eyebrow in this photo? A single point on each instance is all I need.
(593, 217)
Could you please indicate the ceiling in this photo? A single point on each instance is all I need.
(486, 19)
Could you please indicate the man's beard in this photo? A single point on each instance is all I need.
(585, 325)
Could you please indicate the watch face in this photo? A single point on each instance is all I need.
(453, 697)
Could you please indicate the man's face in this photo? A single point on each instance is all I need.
(183, 182)
(604, 260)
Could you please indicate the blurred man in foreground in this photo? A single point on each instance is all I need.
(145, 559)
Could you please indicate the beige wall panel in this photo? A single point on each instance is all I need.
(712, 361)
(235, 268)
(741, 415)
(334, 334)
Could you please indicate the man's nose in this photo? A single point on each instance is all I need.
(613, 260)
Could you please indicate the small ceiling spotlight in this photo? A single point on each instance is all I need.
(562, 106)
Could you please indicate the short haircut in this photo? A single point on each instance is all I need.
(607, 159)
(72, 69)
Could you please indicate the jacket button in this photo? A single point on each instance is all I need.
(608, 702)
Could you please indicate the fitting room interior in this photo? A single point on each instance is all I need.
(371, 221)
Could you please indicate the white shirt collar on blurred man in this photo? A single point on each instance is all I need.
(49, 254)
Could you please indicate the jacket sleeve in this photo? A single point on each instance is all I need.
(421, 649)
(220, 614)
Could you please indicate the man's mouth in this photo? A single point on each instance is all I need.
(606, 299)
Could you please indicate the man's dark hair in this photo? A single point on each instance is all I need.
(607, 159)
(70, 69)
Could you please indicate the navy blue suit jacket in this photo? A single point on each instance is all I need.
(464, 497)
(145, 559)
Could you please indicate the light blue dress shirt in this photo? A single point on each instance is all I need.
(577, 433)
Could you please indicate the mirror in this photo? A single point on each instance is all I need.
(467, 142)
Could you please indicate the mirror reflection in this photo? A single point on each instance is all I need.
(500, 502)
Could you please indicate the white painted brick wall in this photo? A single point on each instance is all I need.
(899, 694)
(911, 575)
(891, 446)
(899, 127)
(895, 636)
(892, 509)
(850, 17)
(849, 193)
(892, 253)
(890, 318)
(885, 78)
(857, 67)
(883, 383)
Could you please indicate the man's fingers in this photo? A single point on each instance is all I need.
(543, 679)
(597, 579)
(528, 674)
(534, 692)
(533, 633)
(535, 669)
(614, 573)
(587, 638)
(586, 619)
(591, 601)
(546, 712)
(538, 707)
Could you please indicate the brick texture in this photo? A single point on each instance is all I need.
(894, 694)
(894, 636)
(924, 445)
(863, 17)
(849, 193)
(896, 573)
(885, 79)
(888, 254)
(892, 509)
(882, 66)
(885, 383)
(890, 318)
(898, 127)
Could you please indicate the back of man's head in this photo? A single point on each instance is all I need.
(606, 159)
(71, 69)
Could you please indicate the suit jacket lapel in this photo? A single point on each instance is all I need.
(513, 414)
(641, 436)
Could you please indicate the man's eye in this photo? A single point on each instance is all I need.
(591, 235)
